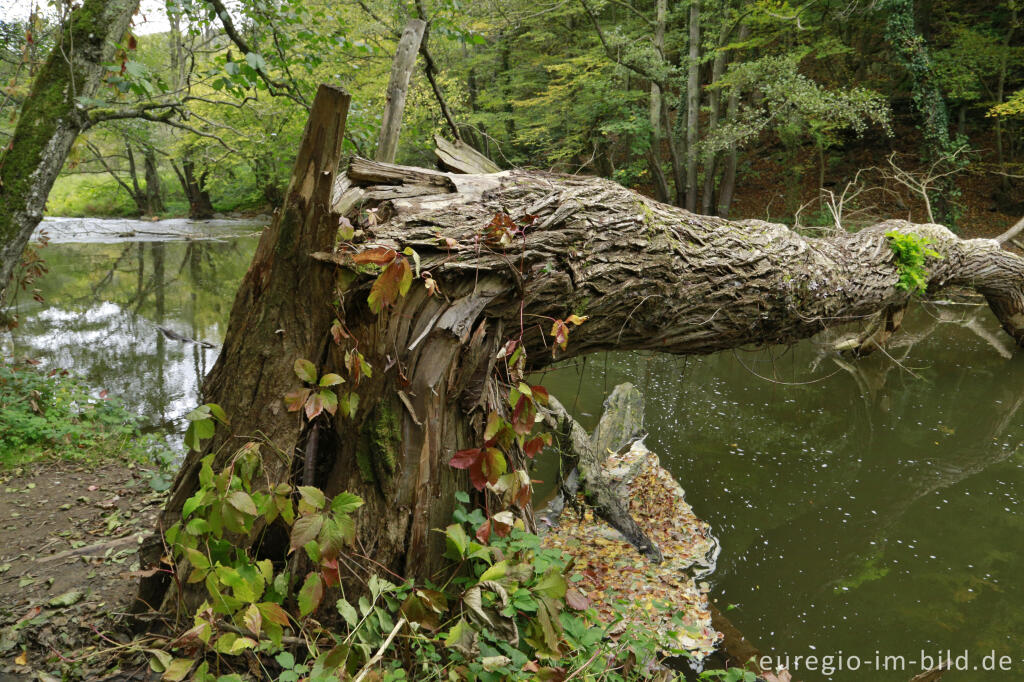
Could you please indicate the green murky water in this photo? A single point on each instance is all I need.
(868, 510)
(862, 508)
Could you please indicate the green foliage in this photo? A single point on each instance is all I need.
(911, 252)
(52, 414)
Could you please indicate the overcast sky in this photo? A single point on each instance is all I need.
(150, 19)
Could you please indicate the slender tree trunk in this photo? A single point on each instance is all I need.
(648, 275)
(911, 49)
(1004, 180)
(728, 185)
(692, 106)
(154, 192)
(50, 120)
(654, 153)
(398, 87)
(714, 99)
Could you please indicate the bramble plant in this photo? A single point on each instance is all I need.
(911, 252)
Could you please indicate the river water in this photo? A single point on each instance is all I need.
(868, 509)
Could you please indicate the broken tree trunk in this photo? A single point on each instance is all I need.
(459, 157)
(277, 315)
(398, 88)
(620, 424)
(649, 276)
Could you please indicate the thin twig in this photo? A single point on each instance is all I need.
(380, 652)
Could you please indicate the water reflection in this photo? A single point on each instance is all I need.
(140, 318)
(874, 508)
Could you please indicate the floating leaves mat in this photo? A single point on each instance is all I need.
(665, 597)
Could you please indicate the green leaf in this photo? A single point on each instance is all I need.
(193, 503)
(552, 585)
(67, 599)
(305, 530)
(311, 594)
(305, 370)
(495, 572)
(178, 669)
(456, 541)
(462, 637)
(231, 644)
(345, 503)
(348, 612)
(312, 496)
(329, 399)
(331, 379)
(217, 412)
(241, 501)
(199, 414)
(349, 404)
(197, 558)
(256, 61)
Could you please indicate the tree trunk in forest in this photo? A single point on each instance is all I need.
(154, 192)
(200, 206)
(911, 49)
(714, 103)
(728, 185)
(398, 87)
(655, 107)
(692, 106)
(648, 275)
(50, 120)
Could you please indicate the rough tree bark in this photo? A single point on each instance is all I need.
(648, 275)
(50, 120)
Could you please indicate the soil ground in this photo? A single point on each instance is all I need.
(69, 535)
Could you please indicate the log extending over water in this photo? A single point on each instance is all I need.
(648, 275)
(656, 277)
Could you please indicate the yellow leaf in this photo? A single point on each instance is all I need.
(23, 659)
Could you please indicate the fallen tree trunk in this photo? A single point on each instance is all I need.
(508, 256)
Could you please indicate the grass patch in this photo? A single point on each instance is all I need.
(52, 415)
(94, 195)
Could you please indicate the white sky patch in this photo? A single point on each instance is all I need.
(151, 17)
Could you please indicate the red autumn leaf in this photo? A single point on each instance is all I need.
(523, 415)
(380, 255)
(338, 332)
(560, 331)
(296, 399)
(540, 394)
(314, 406)
(523, 495)
(533, 446)
(390, 284)
(132, 42)
(492, 466)
(463, 459)
(483, 533)
(329, 571)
